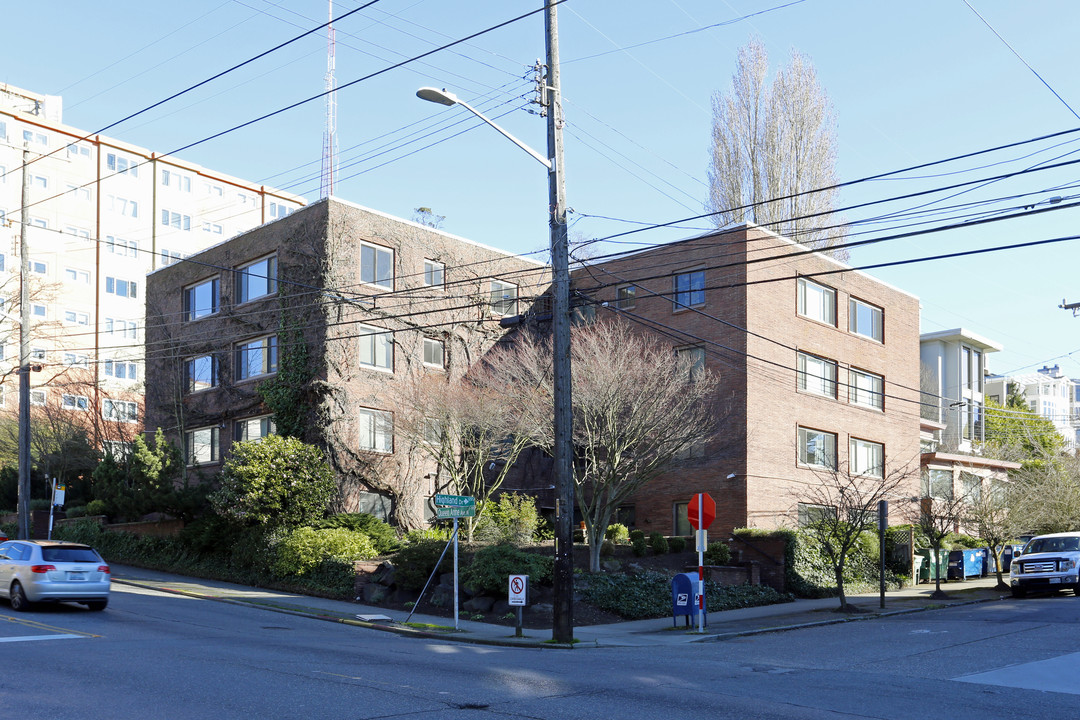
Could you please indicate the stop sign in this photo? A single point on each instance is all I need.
(708, 511)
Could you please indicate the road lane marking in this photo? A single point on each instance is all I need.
(48, 628)
(35, 638)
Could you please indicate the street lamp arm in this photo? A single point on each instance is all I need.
(442, 97)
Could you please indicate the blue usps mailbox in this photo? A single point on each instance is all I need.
(684, 598)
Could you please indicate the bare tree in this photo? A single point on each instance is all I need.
(937, 517)
(1046, 496)
(771, 145)
(842, 505)
(639, 411)
(990, 514)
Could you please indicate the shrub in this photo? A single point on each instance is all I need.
(95, 507)
(75, 511)
(640, 546)
(435, 532)
(491, 568)
(648, 594)
(40, 504)
(415, 562)
(959, 541)
(607, 548)
(510, 519)
(382, 535)
(677, 544)
(717, 553)
(658, 543)
(302, 550)
(636, 534)
(617, 533)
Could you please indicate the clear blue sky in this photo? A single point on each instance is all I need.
(910, 83)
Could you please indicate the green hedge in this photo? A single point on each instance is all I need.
(648, 594)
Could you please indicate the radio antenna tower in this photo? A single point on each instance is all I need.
(330, 147)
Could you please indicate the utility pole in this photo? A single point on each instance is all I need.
(563, 575)
(24, 355)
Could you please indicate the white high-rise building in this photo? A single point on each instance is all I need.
(1048, 392)
(101, 214)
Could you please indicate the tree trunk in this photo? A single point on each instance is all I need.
(839, 569)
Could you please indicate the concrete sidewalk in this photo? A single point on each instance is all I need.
(639, 633)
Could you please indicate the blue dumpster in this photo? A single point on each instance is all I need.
(684, 598)
(988, 564)
(1008, 554)
(964, 564)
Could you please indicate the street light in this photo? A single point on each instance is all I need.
(562, 451)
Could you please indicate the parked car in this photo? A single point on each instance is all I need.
(1047, 563)
(53, 571)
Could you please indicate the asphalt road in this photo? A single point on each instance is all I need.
(154, 655)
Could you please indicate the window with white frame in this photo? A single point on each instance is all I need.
(124, 411)
(866, 320)
(40, 182)
(39, 223)
(124, 206)
(200, 373)
(38, 310)
(257, 279)
(937, 483)
(815, 374)
(626, 297)
(212, 228)
(817, 448)
(689, 289)
(376, 347)
(253, 429)
(119, 449)
(79, 193)
(119, 164)
(201, 446)
(213, 190)
(123, 328)
(175, 220)
(376, 430)
(816, 301)
(37, 397)
(37, 353)
(433, 353)
(72, 230)
(692, 359)
(75, 275)
(121, 247)
(503, 298)
(201, 299)
(121, 288)
(279, 210)
(866, 457)
(74, 402)
(971, 486)
(77, 360)
(39, 267)
(176, 180)
(121, 369)
(256, 357)
(78, 151)
(170, 257)
(434, 273)
(866, 389)
(811, 514)
(377, 265)
(37, 138)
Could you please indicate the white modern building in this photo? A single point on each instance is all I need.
(1049, 393)
(953, 365)
(101, 214)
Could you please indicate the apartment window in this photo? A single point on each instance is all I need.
(37, 397)
(816, 302)
(123, 328)
(39, 267)
(74, 402)
(213, 228)
(201, 300)
(433, 353)
(503, 298)
(817, 448)
(39, 181)
(39, 223)
(122, 165)
(77, 192)
(377, 265)
(256, 357)
(253, 429)
(937, 483)
(866, 458)
(376, 347)
(626, 297)
(689, 289)
(692, 359)
(35, 137)
(866, 320)
(121, 247)
(279, 210)
(169, 257)
(38, 310)
(866, 389)
(584, 314)
(74, 317)
(121, 370)
(70, 230)
(123, 206)
(3, 258)
(816, 375)
(376, 431)
(176, 181)
(257, 279)
(121, 288)
(434, 273)
(810, 514)
(971, 486)
(213, 190)
(38, 354)
(75, 151)
(117, 448)
(175, 220)
(123, 411)
(77, 360)
(74, 275)
(200, 373)
(201, 446)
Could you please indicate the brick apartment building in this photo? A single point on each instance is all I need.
(820, 364)
(374, 301)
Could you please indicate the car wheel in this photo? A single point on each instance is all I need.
(18, 598)
(1018, 592)
(97, 605)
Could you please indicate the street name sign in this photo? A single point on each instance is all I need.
(454, 500)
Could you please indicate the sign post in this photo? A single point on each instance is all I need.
(883, 525)
(518, 597)
(701, 511)
(58, 490)
(455, 506)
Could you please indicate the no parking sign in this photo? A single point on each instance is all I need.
(519, 590)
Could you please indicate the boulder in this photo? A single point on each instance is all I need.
(374, 593)
(480, 603)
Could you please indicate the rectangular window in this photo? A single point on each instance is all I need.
(176, 181)
(37, 354)
(433, 273)
(253, 429)
(127, 208)
(279, 210)
(866, 389)
(38, 310)
(76, 151)
(201, 446)
(376, 431)
(692, 359)
(39, 181)
(257, 357)
(866, 458)
(503, 298)
(74, 317)
(937, 483)
(376, 347)
(816, 375)
(76, 360)
(625, 297)
(37, 397)
(120, 411)
(74, 275)
(121, 288)
(74, 402)
(68, 230)
(200, 373)
(817, 448)
(121, 370)
(201, 300)
(175, 220)
(816, 302)
(971, 486)
(377, 265)
(433, 353)
(689, 289)
(39, 267)
(121, 247)
(257, 279)
(77, 192)
(117, 448)
(121, 165)
(213, 228)
(123, 328)
(810, 514)
(866, 320)
(169, 257)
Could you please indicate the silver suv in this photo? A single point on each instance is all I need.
(1047, 563)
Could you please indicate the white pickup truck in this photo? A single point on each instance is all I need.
(1047, 563)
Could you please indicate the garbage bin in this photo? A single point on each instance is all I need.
(918, 569)
(932, 570)
(964, 564)
(988, 564)
(684, 598)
